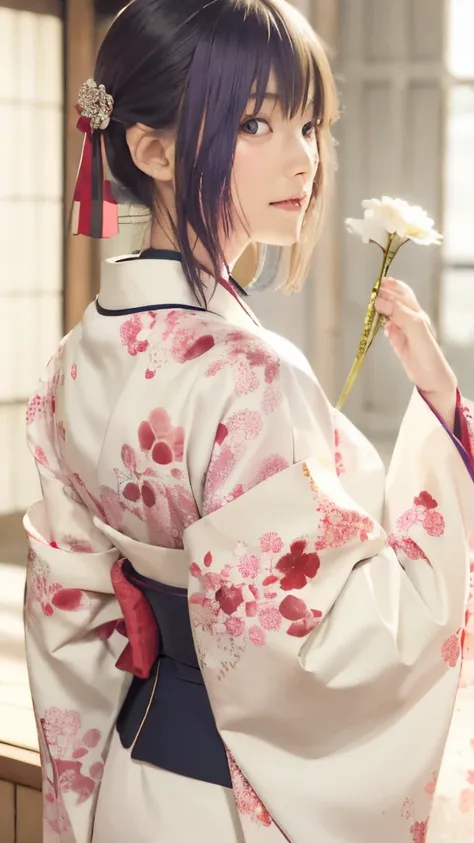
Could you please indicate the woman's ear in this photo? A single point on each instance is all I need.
(153, 152)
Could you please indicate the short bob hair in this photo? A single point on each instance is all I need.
(192, 65)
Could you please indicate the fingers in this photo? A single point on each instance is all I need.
(394, 290)
(400, 314)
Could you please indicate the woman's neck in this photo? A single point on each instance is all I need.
(163, 237)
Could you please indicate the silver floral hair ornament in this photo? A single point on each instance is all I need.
(95, 104)
(95, 209)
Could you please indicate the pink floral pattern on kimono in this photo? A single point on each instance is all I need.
(246, 599)
(50, 595)
(250, 596)
(246, 800)
(338, 459)
(149, 487)
(180, 338)
(423, 512)
(418, 828)
(76, 768)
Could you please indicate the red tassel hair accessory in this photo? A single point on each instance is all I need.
(95, 210)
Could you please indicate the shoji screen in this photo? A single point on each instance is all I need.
(31, 226)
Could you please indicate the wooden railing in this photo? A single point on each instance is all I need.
(20, 796)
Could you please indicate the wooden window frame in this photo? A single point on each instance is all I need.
(38, 7)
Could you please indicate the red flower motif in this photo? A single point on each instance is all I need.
(229, 598)
(129, 332)
(221, 433)
(157, 435)
(70, 600)
(199, 347)
(270, 580)
(418, 831)
(143, 490)
(297, 566)
(302, 628)
(293, 608)
(426, 500)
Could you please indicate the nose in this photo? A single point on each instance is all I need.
(302, 157)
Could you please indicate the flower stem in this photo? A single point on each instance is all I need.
(372, 322)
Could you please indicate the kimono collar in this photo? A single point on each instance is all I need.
(133, 283)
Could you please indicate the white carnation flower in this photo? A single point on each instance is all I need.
(387, 216)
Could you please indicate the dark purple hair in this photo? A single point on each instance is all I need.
(193, 65)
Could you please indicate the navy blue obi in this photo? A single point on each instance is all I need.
(167, 719)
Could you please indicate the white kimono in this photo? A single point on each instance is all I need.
(327, 600)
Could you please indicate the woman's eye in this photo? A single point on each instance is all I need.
(309, 129)
(255, 126)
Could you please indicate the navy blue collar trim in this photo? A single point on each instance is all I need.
(128, 311)
(171, 255)
(155, 254)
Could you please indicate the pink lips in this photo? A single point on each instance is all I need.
(294, 204)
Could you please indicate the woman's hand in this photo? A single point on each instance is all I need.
(411, 336)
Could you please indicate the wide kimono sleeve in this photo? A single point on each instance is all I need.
(70, 612)
(329, 643)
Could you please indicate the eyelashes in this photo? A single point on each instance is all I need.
(258, 127)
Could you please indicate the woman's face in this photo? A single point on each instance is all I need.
(275, 164)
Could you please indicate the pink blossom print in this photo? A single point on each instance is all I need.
(181, 338)
(431, 786)
(466, 801)
(451, 649)
(49, 595)
(418, 831)
(74, 754)
(245, 602)
(158, 436)
(149, 486)
(246, 800)
(424, 513)
(233, 440)
(42, 405)
(339, 526)
(249, 360)
(135, 332)
(340, 468)
(297, 566)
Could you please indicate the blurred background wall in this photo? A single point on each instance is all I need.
(405, 73)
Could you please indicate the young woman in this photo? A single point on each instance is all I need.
(293, 617)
